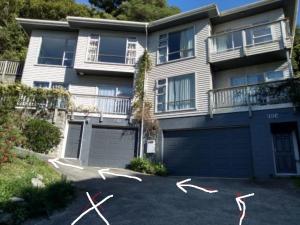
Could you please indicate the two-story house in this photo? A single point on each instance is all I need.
(209, 86)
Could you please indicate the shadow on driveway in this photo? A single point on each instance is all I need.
(158, 201)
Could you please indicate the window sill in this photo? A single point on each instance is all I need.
(109, 63)
(55, 66)
(176, 60)
(175, 111)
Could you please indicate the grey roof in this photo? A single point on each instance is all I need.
(210, 11)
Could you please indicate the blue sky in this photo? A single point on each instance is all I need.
(185, 5)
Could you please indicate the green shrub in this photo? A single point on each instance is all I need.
(146, 166)
(41, 135)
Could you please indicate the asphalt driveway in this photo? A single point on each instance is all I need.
(158, 201)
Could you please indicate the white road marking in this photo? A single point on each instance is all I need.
(94, 207)
(106, 171)
(56, 161)
(242, 205)
(183, 184)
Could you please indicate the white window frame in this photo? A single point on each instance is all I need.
(64, 53)
(167, 46)
(215, 48)
(166, 84)
(126, 57)
(261, 36)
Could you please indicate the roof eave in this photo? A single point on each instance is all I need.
(33, 24)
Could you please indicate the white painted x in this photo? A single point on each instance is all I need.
(94, 207)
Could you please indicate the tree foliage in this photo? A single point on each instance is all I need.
(136, 10)
(296, 53)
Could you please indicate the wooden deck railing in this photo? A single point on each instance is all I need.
(103, 104)
(269, 93)
(10, 70)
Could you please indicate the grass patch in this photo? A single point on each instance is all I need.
(15, 181)
(146, 166)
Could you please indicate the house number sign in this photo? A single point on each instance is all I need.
(273, 115)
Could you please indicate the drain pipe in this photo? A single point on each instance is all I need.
(143, 105)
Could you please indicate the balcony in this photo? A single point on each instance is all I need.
(10, 71)
(101, 104)
(250, 96)
(248, 43)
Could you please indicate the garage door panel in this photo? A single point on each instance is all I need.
(214, 152)
(112, 147)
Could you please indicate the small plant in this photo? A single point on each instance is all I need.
(146, 166)
(42, 136)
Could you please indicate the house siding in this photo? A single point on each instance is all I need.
(83, 42)
(197, 65)
(86, 84)
(277, 32)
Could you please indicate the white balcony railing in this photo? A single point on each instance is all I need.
(101, 104)
(10, 69)
(252, 40)
(268, 93)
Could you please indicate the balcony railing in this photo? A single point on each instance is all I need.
(267, 37)
(101, 104)
(269, 93)
(9, 70)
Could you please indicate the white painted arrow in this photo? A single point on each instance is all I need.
(183, 184)
(106, 171)
(56, 161)
(242, 206)
(94, 207)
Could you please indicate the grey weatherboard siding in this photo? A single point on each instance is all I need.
(259, 125)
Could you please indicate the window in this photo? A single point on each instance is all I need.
(274, 75)
(112, 49)
(56, 85)
(175, 93)
(176, 45)
(57, 51)
(259, 35)
(257, 78)
(41, 84)
(228, 41)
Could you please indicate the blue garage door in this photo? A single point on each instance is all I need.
(209, 153)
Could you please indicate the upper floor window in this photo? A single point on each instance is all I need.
(112, 49)
(46, 84)
(176, 45)
(57, 51)
(175, 93)
(228, 41)
(256, 78)
(259, 35)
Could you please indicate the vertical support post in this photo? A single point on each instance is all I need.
(210, 48)
(249, 102)
(283, 33)
(4, 71)
(288, 57)
(211, 103)
(244, 42)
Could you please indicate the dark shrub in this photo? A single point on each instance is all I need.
(41, 135)
(146, 166)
